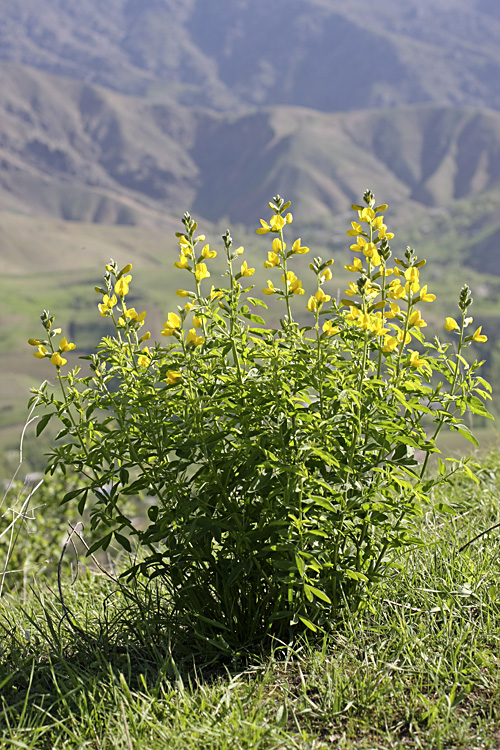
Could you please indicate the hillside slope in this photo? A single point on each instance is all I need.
(79, 152)
(323, 54)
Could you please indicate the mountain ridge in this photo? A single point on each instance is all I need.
(81, 152)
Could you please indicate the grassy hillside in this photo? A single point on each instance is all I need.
(416, 668)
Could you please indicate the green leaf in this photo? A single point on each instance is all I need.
(311, 591)
(355, 575)
(74, 493)
(257, 302)
(300, 565)
(308, 624)
(444, 508)
(254, 318)
(125, 543)
(470, 473)
(42, 424)
(477, 407)
(465, 432)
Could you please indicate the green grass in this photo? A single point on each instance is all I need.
(418, 668)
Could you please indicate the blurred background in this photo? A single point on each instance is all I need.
(117, 117)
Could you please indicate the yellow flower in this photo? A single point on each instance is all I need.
(173, 320)
(394, 312)
(196, 321)
(122, 285)
(264, 229)
(416, 320)
(416, 361)
(207, 253)
(172, 377)
(356, 229)
(270, 288)
(65, 347)
(298, 249)
(296, 287)
(145, 337)
(311, 304)
(360, 244)
(353, 313)
(172, 323)
(34, 342)
(144, 359)
(369, 249)
(182, 293)
(396, 291)
(412, 286)
(326, 274)
(366, 215)
(330, 329)
(407, 338)
(352, 290)
(183, 261)
(290, 277)
(321, 297)
(215, 294)
(364, 321)
(106, 305)
(57, 360)
(201, 272)
(425, 297)
(356, 266)
(412, 274)
(245, 271)
(377, 325)
(382, 232)
(289, 218)
(188, 306)
(276, 224)
(390, 343)
(40, 352)
(193, 339)
(272, 260)
(186, 248)
(126, 269)
(278, 246)
(451, 324)
(478, 336)
(134, 315)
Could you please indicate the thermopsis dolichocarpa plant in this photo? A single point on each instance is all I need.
(283, 468)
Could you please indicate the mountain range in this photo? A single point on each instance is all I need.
(75, 151)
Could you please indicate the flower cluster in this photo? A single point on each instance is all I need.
(278, 256)
(45, 349)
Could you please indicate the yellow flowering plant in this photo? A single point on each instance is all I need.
(284, 468)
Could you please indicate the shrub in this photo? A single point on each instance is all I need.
(283, 467)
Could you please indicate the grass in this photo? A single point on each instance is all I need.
(417, 668)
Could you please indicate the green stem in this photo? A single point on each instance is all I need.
(285, 271)
(445, 412)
